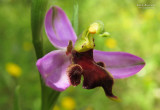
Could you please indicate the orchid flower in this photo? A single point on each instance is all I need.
(76, 57)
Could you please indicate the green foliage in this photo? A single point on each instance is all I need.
(135, 30)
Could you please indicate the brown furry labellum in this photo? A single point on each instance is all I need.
(94, 74)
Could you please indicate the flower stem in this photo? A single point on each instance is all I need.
(38, 10)
(75, 16)
(16, 98)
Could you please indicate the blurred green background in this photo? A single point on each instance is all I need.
(134, 29)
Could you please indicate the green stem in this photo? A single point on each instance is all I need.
(16, 98)
(75, 16)
(37, 13)
(38, 10)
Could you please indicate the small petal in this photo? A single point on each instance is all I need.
(53, 68)
(120, 64)
(58, 28)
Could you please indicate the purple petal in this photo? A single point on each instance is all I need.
(58, 28)
(53, 67)
(120, 64)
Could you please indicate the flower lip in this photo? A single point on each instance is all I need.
(94, 74)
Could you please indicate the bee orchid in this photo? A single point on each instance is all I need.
(76, 57)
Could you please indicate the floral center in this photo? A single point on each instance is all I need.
(86, 41)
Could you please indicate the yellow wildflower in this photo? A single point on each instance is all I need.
(13, 69)
(111, 43)
(56, 107)
(68, 103)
